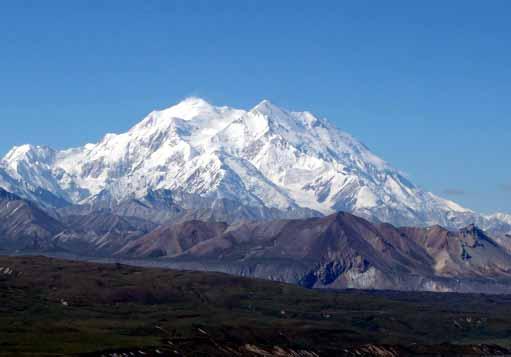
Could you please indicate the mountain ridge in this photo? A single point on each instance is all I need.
(337, 251)
(340, 250)
(265, 159)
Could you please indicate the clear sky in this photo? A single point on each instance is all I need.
(425, 84)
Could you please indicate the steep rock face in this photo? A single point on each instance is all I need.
(264, 163)
(468, 252)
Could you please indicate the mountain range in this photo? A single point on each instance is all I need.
(221, 163)
(336, 251)
(265, 193)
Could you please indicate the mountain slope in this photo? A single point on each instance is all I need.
(22, 188)
(24, 225)
(173, 240)
(337, 251)
(101, 232)
(267, 163)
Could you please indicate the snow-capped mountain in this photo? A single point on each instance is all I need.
(266, 159)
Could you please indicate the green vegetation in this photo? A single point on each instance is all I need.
(53, 307)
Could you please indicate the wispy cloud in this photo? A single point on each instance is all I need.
(454, 192)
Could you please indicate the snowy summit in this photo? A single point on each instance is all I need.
(265, 158)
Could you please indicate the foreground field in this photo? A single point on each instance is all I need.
(58, 307)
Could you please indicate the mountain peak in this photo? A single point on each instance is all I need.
(34, 152)
(194, 102)
(268, 157)
(267, 108)
(19, 150)
(189, 108)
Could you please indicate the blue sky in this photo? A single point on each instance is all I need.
(426, 85)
